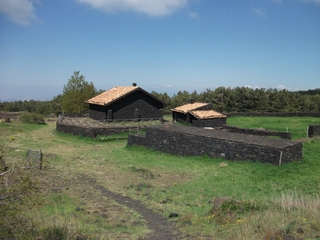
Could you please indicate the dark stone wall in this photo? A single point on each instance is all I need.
(193, 144)
(274, 114)
(292, 153)
(135, 106)
(97, 112)
(314, 130)
(258, 132)
(214, 122)
(75, 130)
(89, 131)
(137, 139)
(180, 117)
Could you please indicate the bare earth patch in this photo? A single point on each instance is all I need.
(161, 228)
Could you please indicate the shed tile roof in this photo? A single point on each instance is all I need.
(207, 114)
(111, 95)
(189, 107)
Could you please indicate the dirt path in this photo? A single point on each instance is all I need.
(161, 228)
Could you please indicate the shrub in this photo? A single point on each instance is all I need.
(33, 118)
(239, 206)
(55, 232)
(17, 193)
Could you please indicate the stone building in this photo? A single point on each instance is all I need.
(199, 115)
(125, 103)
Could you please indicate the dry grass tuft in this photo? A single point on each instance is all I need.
(223, 165)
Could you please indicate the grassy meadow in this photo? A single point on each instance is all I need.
(264, 200)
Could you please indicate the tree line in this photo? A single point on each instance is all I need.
(223, 99)
(245, 99)
(72, 99)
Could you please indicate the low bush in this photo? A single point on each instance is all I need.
(33, 118)
(17, 194)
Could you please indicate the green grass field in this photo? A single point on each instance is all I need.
(296, 125)
(265, 200)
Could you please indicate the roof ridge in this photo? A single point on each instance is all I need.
(189, 107)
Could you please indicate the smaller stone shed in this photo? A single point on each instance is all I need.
(199, 115)
(189, 141)
(181, 114)
(124, 103)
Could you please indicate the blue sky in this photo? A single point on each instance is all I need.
(162, 45)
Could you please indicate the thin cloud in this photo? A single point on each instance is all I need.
(152, 8)
(193, 15)
(259, 11)
(255, 87)
(281, 87)
(19, 11)
(163, 86)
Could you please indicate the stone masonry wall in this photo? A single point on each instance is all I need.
(214, 122)
(89, 131)
(258, 132)
(242, 147)
(314, 130)
(274, 114)
(97, 112)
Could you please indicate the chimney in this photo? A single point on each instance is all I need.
(134, 84)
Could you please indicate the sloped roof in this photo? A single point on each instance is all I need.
(116, 93)
(207, 114)
(189, 107)
(112, 95)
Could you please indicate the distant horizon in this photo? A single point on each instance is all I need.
(161, 92)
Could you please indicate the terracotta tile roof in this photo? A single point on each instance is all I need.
(207, 114)
(111, 95)
(189, 107)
